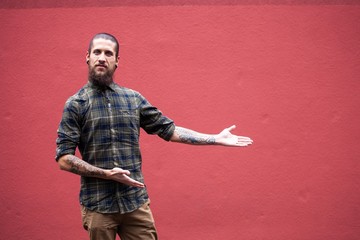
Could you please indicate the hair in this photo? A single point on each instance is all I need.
(106, 36)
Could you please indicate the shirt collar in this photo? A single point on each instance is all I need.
(112, 86)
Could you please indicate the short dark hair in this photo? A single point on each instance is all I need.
(106, 36)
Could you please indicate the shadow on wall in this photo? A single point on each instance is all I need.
(10, 4)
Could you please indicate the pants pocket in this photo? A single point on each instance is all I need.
(83, 217)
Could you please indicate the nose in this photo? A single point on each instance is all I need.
(101, 58)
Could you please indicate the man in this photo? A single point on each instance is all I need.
(103, 120)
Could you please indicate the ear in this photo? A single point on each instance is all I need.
(87, 57)
(117, 61)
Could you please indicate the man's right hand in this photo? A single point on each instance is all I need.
(78, 166)
(122, 176)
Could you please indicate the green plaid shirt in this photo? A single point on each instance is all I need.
(105, 126)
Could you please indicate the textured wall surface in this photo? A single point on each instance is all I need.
(286, 74)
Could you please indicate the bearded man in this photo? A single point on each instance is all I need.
(103, 121)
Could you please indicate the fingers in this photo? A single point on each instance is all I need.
(244, 141)
(233, 140)
(134, 183)
(122, 176)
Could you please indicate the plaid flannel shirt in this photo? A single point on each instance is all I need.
(105, 126)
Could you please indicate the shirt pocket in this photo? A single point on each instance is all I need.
(127, 121)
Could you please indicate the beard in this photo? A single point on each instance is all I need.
(101, 80)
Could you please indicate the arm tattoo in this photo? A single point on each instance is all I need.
(192, 137)
(83, 168)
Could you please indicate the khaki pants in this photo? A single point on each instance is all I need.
(137, 225)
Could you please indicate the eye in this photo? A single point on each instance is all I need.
(109, 53)
(96, 52)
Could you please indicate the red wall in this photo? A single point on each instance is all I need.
(286, 74)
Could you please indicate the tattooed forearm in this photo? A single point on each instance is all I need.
(192, 137)
(83, 168)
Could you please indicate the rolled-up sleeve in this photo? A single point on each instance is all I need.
(68, 131)
(154, 122)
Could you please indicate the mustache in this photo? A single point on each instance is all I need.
(101, 65)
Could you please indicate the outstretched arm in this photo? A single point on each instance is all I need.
(224, 138)
(78, 166)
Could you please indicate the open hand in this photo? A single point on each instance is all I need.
(226, 138)
(122, 176)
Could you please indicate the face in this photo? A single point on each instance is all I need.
(102, 61)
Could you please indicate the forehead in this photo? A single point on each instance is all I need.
(103, 44)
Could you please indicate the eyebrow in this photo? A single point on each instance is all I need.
(103, 50)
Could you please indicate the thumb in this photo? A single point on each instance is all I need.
(231, 128)
(122, 171)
